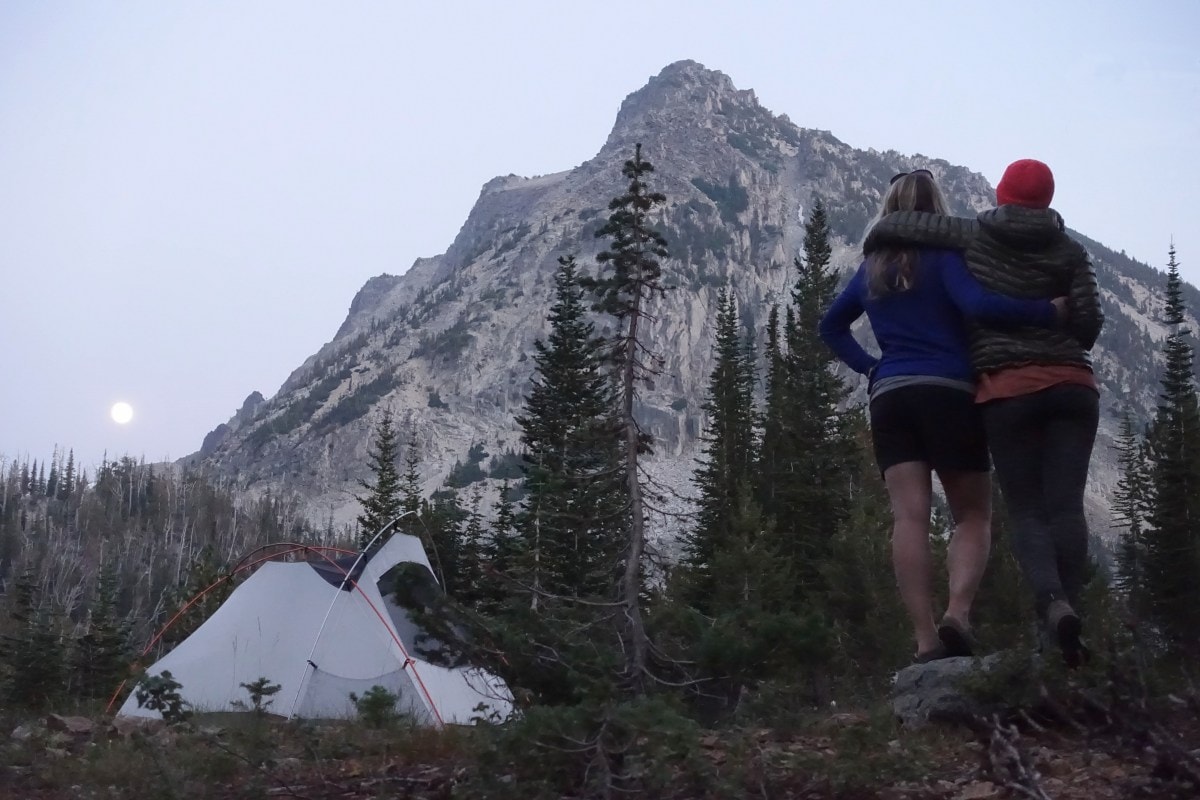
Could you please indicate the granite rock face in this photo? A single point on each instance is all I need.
(447, 345)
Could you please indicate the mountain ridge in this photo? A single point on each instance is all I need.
(447, 344)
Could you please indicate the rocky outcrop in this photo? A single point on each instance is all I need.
(924, 693)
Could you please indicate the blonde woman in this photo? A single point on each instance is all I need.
(1038, 396)
(923, 416)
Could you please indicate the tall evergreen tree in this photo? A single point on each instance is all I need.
(501, 553)
(101, 655)
(1172, 565)
(32, 652)
(625, 290)
(472, 547)
(572, 522)
(67, 485)
(52, 481)
(1129, 509)
(442, 520)
(384, 502)
(775, 421)
(729, 452)
(206, 572)
(814, 473)
(410, 488)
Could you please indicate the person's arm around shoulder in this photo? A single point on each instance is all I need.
(921, 228)
(974, 301)
(834, 327)
(1086, 316)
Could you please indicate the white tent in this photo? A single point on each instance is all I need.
(301, 626)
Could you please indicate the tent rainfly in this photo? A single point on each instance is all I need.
(321, 637)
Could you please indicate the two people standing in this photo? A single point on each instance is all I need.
(984, 326)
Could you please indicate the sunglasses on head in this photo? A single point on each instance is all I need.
(900, 175)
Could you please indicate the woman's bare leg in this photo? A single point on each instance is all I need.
(909, 488)
(970, 497)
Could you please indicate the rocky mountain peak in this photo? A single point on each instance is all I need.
(685, 91)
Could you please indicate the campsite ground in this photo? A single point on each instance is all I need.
(848, 754)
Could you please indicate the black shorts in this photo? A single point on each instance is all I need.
(938, 425)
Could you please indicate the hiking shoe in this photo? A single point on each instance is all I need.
(956, 637)
(936, 654)
(1065, 626)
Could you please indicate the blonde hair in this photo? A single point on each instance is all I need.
(892, 268)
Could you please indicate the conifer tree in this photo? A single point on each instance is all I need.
(500, 554)
(1172, 544)
(52, 481)
(384, 502)
(572, 522)
(729, 453)
(860, 601)
(101, 655)
(775, 421)
(1129, 509)
(67, 485)
(811, 493)
(472, 546)
(410, 488)
(632, 281)
(205, 570)
(32, 652)
(753, 631)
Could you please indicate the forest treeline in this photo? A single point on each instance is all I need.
(783, 596)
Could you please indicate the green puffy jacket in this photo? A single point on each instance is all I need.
(1021, 252)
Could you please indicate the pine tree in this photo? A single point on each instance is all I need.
(52, 481)
(810, 498)
(775, 421)
(32, 653)
(753, 632)
(205, 572)
(501, 553)
(472, 546)
(633, 280)
(860, 601)
(572, 521)
(442, 521)
(1129, 509)
(384, 501)
(1172, 563)
(729, 453)
(66, 486)
(101, 655)
(410, 488)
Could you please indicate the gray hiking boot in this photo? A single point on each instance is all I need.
(1064, 626)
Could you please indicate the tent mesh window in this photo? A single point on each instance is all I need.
(328, 695)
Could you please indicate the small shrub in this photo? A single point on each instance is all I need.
(376, 707)
(161, 693)
(260, 691)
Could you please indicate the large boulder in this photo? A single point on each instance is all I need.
(925, 692)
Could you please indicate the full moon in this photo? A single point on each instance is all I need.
(121, 413)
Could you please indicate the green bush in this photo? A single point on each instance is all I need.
(376, 707)
(161, 693)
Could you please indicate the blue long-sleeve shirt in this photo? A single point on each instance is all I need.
(923, 330)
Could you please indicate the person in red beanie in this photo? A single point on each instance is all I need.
(1027, 183)
(1036, 387)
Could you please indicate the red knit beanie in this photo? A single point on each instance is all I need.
(1028, 183)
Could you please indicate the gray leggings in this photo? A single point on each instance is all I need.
(1041, 444)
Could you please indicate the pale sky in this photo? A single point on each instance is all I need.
(191, 193)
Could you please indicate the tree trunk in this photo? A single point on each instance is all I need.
(635, 631)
